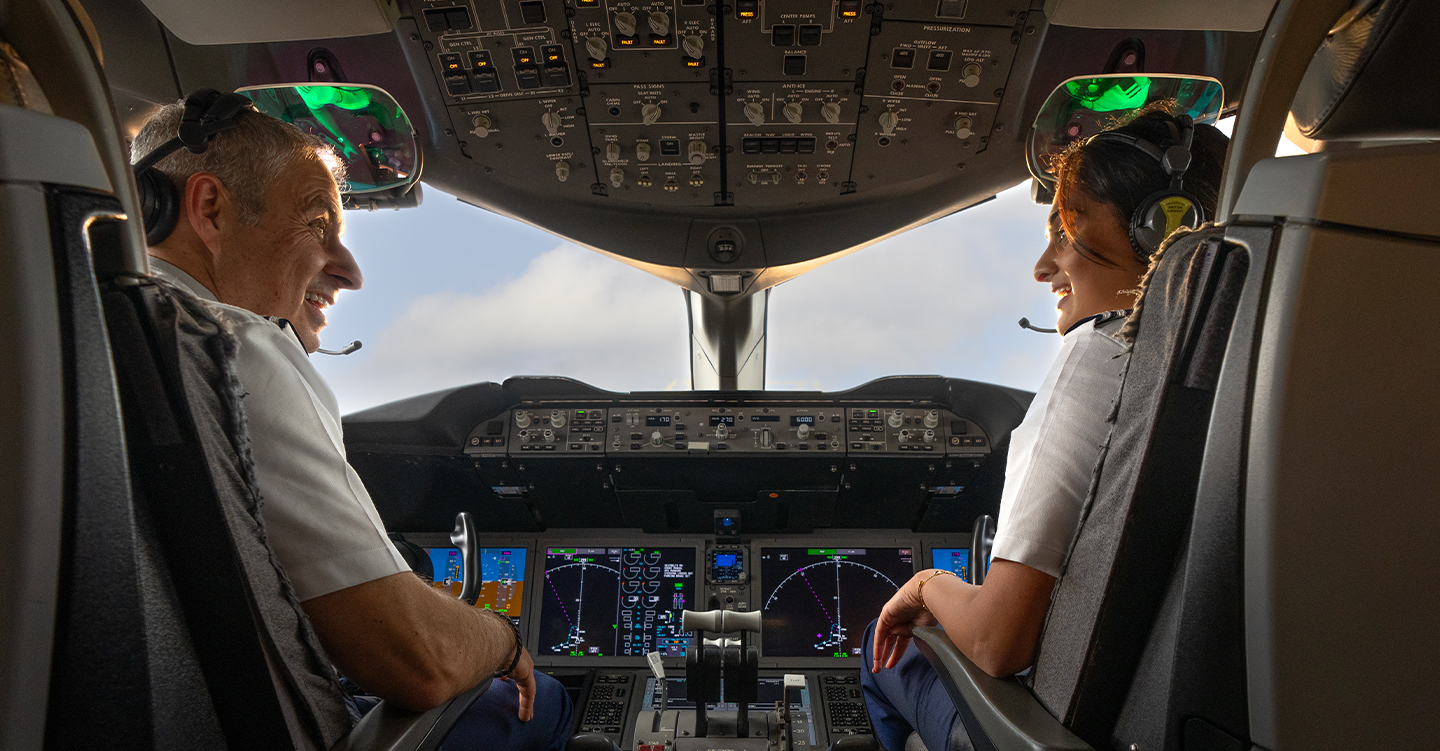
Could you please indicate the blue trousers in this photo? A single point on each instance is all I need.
(491, 722)
(909, 697)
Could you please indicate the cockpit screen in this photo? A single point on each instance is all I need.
(817, 601)
(954, 560)
(603, 602)
(502, 577)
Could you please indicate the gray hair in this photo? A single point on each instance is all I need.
(248, 158)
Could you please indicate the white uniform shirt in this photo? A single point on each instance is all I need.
(320, 520)
(1054, 449)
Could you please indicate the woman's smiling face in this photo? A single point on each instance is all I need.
(1088, 262)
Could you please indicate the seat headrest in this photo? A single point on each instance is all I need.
(1371, 79)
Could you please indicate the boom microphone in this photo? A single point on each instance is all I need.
(345, 350)
(1024, 324)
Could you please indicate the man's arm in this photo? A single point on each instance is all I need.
(411, 645)
(996, 625)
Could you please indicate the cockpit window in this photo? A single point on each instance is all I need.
(456, 295)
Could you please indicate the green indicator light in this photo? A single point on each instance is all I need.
(821, 551)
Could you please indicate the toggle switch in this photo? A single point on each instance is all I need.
(482, 125)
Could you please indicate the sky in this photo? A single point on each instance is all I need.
(455, 294)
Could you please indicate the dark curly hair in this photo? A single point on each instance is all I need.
(1121, 176)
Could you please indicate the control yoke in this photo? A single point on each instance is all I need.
(464, 538)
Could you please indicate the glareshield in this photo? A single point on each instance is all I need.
(366, 126)
(1082, 107)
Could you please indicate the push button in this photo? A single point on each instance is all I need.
(810, 35)
(939, 60)
(782, 35)
(532, 12)
(794, 65)
(902, 57)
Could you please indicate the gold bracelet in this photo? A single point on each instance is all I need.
(920, 590)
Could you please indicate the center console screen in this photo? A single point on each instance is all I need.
(817, 601)
(604, 602)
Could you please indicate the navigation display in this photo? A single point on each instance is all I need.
(502, 577)
(603, 602)
(817, 601)
(954, 560)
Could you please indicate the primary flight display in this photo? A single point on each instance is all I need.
(502, 577)
(817, 601)
(604, 602)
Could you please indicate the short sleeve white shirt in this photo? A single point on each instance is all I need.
(320, 520)
(1054, 449)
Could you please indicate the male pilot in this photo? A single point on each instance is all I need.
(259, 234)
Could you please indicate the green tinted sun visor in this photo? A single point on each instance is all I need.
(1082, 107)
(366, 127)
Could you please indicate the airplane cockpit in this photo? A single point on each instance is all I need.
(697, 567)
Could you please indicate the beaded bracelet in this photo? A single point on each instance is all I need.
(920, 590)
(519, 645)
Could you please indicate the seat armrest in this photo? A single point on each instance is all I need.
(1009, 715)
(390, 728)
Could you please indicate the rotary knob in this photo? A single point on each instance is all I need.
(928, 436)
(625, 23)
(970, 75)
(722, 432)
(522, 419)
(962, 127)
(660, 23)
(932, 418)
(650, 114)
(551, 121)
(767, 438)
(794, 112)
(904, 436)
(481, 125)
(617, 177)
(888, 121)
(557, 418)
(697, 152)
(755, 113)
(656, 439)
(803, 432)
(612, 152)
(642, 151)
(596, 47)
(562, 171)
(831, 112)
(548, 436)
(895, 419)
(694, 46)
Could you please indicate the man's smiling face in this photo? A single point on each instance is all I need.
(290, 263)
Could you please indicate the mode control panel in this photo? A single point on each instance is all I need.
(912, 430)
(562, 430)
(727, 429)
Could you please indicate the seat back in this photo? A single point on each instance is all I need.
(1142, 496)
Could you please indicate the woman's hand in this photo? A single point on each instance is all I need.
(895, 627)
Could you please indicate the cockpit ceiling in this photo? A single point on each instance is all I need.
(750, 139)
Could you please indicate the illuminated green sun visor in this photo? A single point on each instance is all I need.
(366, 127)
(1082, 107)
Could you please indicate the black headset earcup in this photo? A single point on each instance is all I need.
(1161, 214)
(159, 204)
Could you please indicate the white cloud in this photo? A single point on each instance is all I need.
(941, 299)
(572, 312)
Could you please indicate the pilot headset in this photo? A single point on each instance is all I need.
(207, 112)
(1161, 213)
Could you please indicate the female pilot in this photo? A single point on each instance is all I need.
(1094, 265)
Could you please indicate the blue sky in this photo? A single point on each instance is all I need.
(455, 294)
